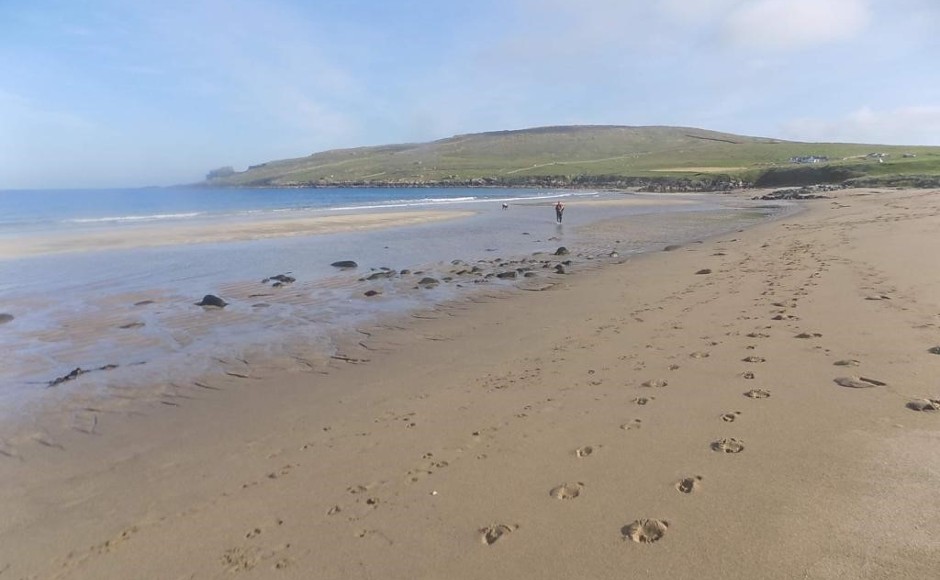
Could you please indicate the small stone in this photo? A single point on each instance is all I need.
(345, 264)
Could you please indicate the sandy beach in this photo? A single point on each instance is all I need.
(756, 405)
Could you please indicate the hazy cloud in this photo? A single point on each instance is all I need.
(913, 125)
(796, 24)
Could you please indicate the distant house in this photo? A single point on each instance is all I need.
(809, 159)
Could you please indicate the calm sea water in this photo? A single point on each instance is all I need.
(134, 308)
(31, 211)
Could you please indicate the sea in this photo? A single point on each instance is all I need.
(125, 314)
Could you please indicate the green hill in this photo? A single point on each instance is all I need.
(597, 156)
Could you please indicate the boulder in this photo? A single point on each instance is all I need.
(428, 281)
(345, 264)
(508, 274)
(212, 300)
(561, 251)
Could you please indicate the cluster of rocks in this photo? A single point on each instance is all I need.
(279, 280)
(460, 272)
(805, 192)
(482, 271)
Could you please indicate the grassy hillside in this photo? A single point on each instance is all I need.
(595, 155)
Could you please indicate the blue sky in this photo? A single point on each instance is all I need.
(115, 93)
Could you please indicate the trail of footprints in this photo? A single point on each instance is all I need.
(649, 530)
(652, 530)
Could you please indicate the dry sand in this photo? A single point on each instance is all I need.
(617, 425)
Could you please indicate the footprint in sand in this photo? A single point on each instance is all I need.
(645, 531)
(689, 484)
(699, 354)
(728, 445)
(655, 383)
(849, 362)
(632, 425)
(924, 405)
(858, 382)
(757, 394)
(787, 317)
(643, 400)
(748, 375)
(585, 451)
(730, 417)
(754, 359)
(567, 490)
(492, 534)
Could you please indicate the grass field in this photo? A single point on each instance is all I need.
(597, 154)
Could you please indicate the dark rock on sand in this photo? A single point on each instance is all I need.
(561, 251)
(345, 264)
(428, 281)
(212, 300)
(704, 271)
(371, 293)
(4, 318)
(671, 247)
(77, 372)
(382, 274)
(280, 279)
(560, 268)
(509, 274)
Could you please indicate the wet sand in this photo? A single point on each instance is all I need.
(738, 408)
(242, 230)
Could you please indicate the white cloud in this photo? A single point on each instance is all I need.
(913, 125)
(795, 24)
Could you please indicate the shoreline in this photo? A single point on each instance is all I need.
(145, 329)
(468, 421)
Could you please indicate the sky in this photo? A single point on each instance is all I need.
(122, 93)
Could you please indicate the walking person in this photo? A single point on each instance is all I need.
(559, 211)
